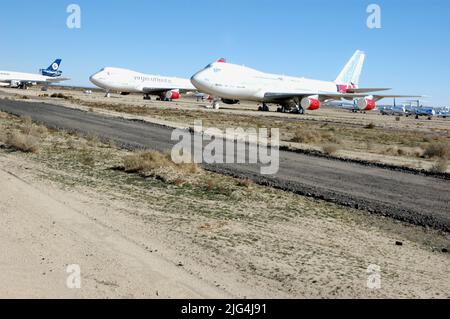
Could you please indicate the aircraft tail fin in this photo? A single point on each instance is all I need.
(53, 69)
(351, 73)
(55, 65)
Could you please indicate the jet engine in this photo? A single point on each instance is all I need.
(230, 102)
(310, 103)
(366, 104)
(171, 95)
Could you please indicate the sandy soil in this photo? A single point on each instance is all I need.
(44, 230)
(138, 238)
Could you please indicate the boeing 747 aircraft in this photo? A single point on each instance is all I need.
(232, 83)
(127, 81)
(23, 80)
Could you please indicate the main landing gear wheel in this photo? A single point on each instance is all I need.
(300, 110)
(107, 95)
(282, 109)
(264, 108)
(147, 97)
(216, 105)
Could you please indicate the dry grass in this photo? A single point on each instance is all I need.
(25, 136)
(61, 96)
(314, 137)
(403, 151)
(246, 183)
(3, 137)
(330, 149)
(160, 166)
(29, 128)
(23, 142)
(441, 166)
(437, 150)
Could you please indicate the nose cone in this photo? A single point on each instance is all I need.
(198, 80)
(195, 80)
(95, 79)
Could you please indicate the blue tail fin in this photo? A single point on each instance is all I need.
(53, 69)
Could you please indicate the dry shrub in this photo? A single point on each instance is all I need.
(370, 126)
(403, 151)
(216, 187)
(41, 130)
(160, 166)
(86, 156)
(146, 161)
(246, 183)
(23, 142)
(27, 124)
(61, 96)
(3, 137)
(305, 137)
(440, 166)
(437, 150)
(330, 149)
(29, 128)
(314, 137)
(93, 139)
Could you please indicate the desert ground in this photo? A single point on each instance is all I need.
(420, 144)
(141, 226)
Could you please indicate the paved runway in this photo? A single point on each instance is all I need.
(417, 199)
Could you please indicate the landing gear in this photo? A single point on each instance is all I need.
(282, 109)
(263, 108)
(147, 97)
(297, 109)
(107, 94)
(216, 105)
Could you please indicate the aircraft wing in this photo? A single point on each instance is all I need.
(153, 90)
(56, 80)
(331, 96)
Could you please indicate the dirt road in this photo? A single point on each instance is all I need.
(42, 234)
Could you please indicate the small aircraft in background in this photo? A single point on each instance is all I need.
(24, 80)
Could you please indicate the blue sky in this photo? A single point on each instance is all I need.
(177, 37)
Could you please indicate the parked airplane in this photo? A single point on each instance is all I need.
(127, 81)
(398, 110)
(24, 80)
(232, 83)
(53, 70)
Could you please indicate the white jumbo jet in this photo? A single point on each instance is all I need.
(232, 83)
(127, 81)
(24, 80)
